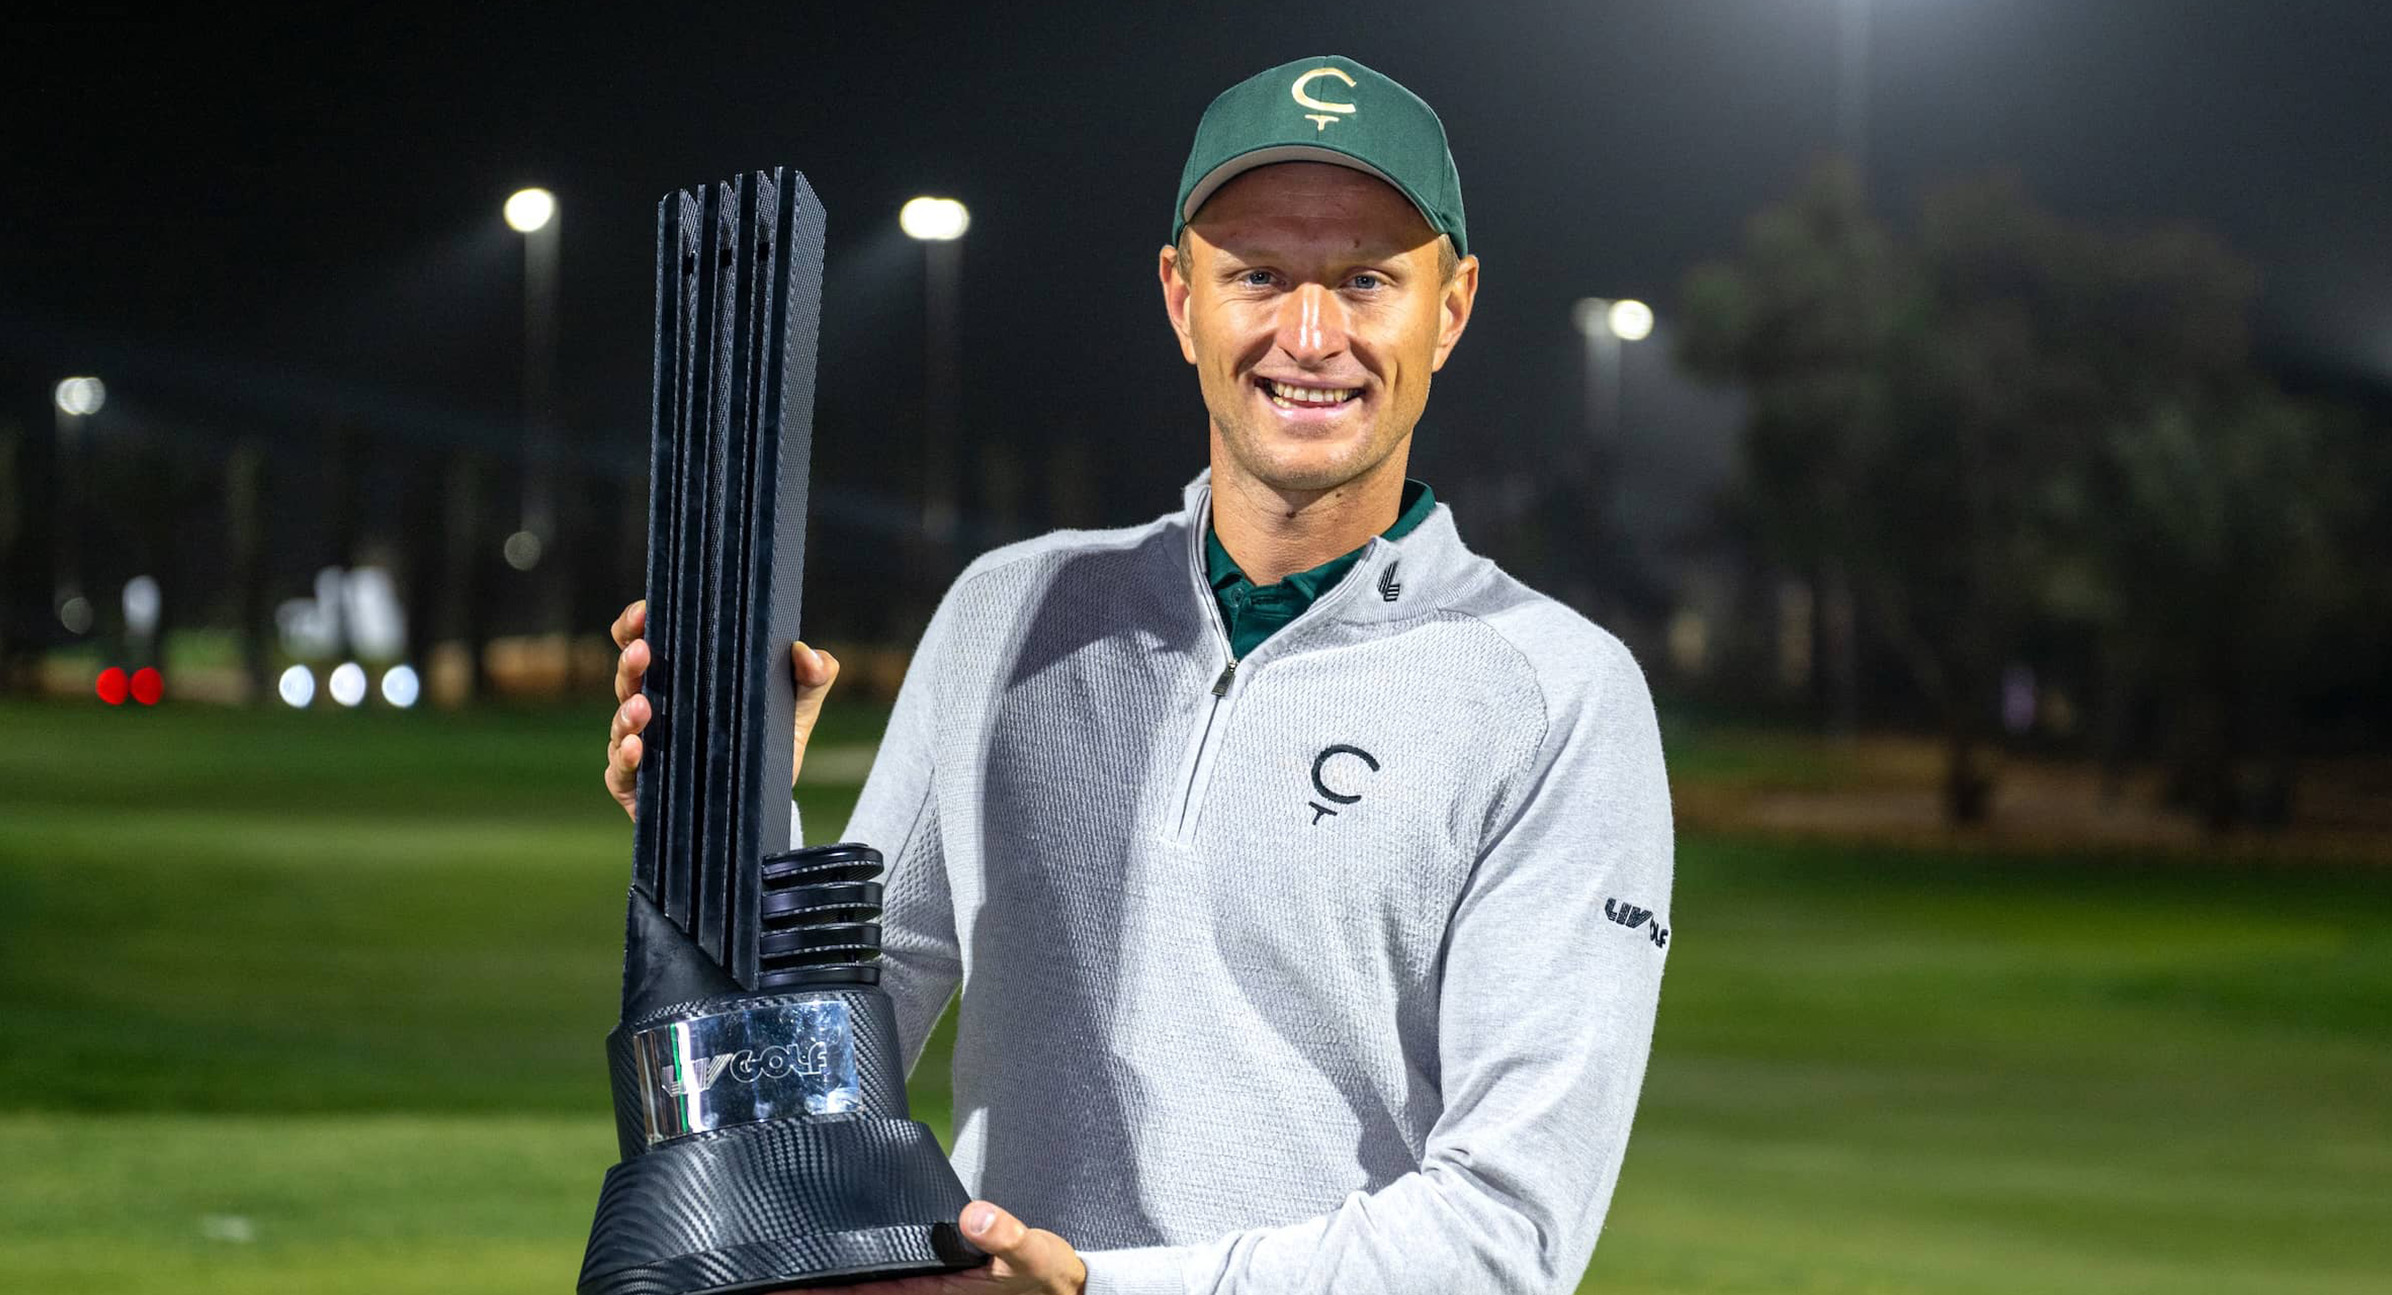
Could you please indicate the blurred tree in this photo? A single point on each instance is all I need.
(248, 523)
(17, 614)
(2222, 573)
(465, 575)
(2027, 340)
(1922, 412)
(1802, 320)
(423, 545)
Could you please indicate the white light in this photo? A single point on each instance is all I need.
(530, 210)
(400, 687)
(347, 684)
(142, 601)
(522, 550)
(298, 685)
(372, 616)
(81, 397)
(1588, 315)
(1631, 320)
(934, 220)
(75, 614)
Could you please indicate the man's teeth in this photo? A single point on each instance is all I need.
(1287, 395)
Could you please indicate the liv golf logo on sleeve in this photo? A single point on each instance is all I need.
(1632, 917)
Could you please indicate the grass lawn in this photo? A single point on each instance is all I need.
(299, 1002)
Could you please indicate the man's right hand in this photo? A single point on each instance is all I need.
(813, 668)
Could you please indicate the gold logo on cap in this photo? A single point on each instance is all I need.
(1320, 120)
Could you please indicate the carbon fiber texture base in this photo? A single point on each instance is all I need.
(880, 1255)
(789, 1203)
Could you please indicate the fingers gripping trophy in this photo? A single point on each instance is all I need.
(759, 1093)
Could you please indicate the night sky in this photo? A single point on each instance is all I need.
(300, 222)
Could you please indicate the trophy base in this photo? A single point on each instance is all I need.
(779, 1205)
(878, 1254)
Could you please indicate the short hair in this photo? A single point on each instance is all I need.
(1449, 261)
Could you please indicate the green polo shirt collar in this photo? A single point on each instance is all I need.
(1254, 612)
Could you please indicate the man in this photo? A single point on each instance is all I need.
(1304, 875)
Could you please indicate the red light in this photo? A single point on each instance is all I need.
(111, 686)
(148, 686)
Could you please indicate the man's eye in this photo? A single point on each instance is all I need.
(1367, 281)
(1256, 278)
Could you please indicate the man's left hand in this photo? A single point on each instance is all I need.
(1022, 1261)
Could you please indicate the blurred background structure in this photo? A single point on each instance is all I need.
(1976, 415)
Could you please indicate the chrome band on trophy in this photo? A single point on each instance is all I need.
(766, 1061)
(759, 1095)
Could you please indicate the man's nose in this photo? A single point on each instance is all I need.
(1312, 324)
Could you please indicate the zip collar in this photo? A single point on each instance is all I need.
(1394, 580)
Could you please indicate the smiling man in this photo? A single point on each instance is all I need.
(1305, 877)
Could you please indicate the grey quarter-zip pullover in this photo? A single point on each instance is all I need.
(1330, 969)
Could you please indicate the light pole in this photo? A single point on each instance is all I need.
(939, 224)
(1852, 85)
(533, 214)
(1606, 323)
(75, 400)
(1839, 621)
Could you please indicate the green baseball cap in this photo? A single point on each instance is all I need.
(1328, 109)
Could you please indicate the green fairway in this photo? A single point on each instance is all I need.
(300, 1002)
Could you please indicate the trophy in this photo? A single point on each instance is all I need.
(759, 1092)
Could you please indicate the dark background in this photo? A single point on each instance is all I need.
(288, 228)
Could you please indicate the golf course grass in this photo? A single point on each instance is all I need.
(296, 1002)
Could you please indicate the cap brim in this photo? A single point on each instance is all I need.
(1244, 162)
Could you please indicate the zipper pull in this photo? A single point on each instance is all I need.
(1221, 685)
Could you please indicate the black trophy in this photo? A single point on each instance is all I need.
(759, 1094)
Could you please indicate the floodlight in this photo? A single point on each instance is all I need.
(934, 220)
(1630, 320)
(521, 550)
(143, 601)
(530, 210)
(297, 686)
(400, 687)
(80, 397)
(1588, 315)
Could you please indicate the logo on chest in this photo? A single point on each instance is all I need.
(1336, 767)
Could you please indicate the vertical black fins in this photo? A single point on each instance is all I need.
(739, 292)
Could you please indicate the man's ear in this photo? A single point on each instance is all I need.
(1175, 299)
(1454, 308)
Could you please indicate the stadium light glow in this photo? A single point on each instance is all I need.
(297, 686)
(1630, 320)
(143, 600)
(347, 684)
(530, 210)
(80, 397)
(934, 220)
(521, 550)
(400, 687)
